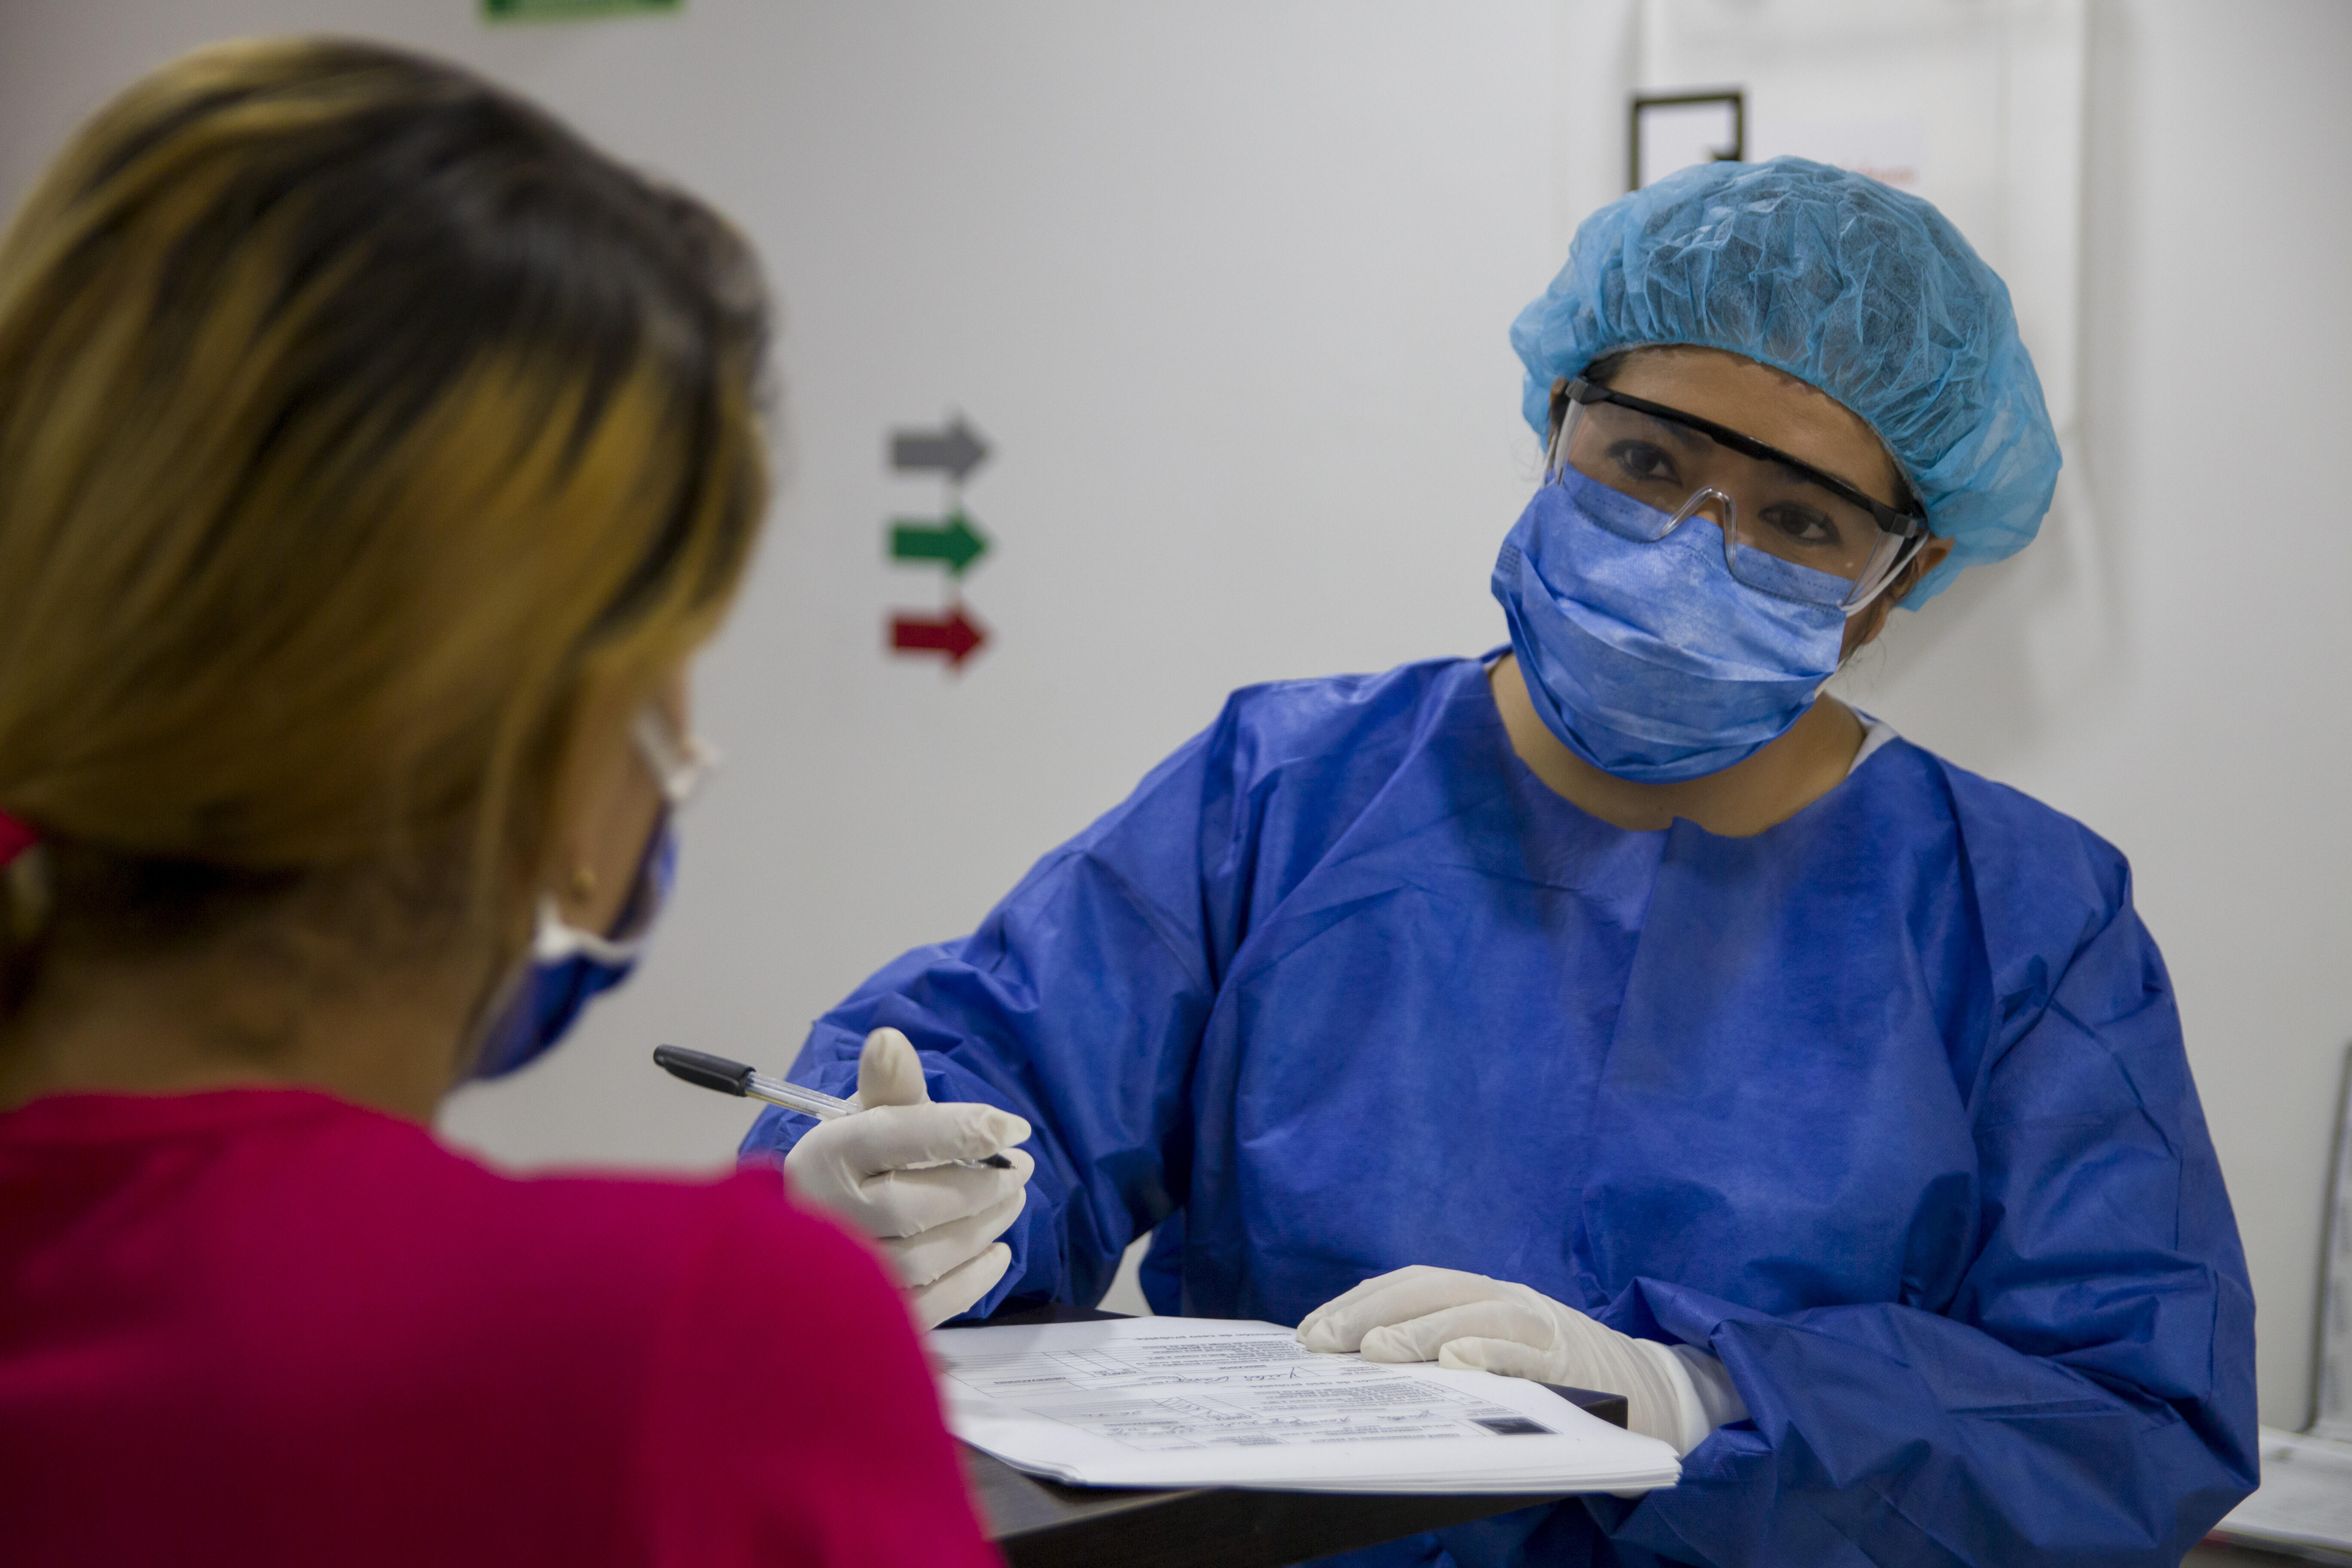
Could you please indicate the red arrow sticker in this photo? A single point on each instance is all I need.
(958, 636)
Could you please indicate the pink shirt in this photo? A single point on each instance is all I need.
(263, 1327)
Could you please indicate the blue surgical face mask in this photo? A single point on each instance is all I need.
(1649, 660)
(569, 967)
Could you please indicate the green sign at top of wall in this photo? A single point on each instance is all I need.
(565, 10)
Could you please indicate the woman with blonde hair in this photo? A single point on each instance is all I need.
(374, 455)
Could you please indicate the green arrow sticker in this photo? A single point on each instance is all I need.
(953, 541)
(566, 10)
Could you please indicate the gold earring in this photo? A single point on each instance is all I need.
(583, 882)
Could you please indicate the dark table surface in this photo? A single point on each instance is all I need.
(1039, 1524)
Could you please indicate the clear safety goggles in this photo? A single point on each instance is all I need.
(1790, 529)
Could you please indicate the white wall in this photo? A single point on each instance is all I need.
(1225, 285)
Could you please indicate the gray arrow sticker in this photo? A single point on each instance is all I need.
(955, 451)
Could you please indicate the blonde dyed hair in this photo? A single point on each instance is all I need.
(359, 426)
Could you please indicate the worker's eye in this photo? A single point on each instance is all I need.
(1643, 462)
(1795, 523)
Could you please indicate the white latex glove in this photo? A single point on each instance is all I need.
(883, 1169)
(1673, 1392)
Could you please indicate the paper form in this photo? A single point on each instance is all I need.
(1299, 1415)
(1185, 1402)
(1220, 1356)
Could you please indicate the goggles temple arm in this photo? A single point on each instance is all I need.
(1905, 553)
(679, 763)
(1560, 399)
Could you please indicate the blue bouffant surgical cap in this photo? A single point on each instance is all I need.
(1867, 294)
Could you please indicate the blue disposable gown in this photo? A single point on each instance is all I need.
(1886, 1105)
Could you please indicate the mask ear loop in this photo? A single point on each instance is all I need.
(554, 940)
(1907, 552)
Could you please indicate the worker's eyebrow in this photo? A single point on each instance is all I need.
(1792, 475)
(1683, 436)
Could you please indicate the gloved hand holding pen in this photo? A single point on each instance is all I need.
(884, 1170)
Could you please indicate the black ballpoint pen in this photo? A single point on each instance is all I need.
(707, 1071)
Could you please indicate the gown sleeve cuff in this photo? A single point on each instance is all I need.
(1715, 1396)
(1701, 1392)
(1681, 1400)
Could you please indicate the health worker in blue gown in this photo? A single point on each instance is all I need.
(1618, 1010)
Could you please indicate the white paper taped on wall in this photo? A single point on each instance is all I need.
(1977, 107)
(1674, 130)
(1893, 151)
(1169, 1402)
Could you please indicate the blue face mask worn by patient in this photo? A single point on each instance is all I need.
(1649, 660)
(569, 967)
